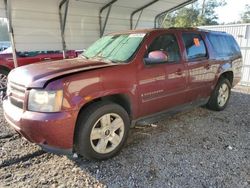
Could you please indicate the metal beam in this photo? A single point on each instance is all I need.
(157, 17)
(138, 19)
(7, 4)
(138, 10)
(108, 5)
(63, 19)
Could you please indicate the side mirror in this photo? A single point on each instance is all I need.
(156, 57)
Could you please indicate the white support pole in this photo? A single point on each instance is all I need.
(10, 30)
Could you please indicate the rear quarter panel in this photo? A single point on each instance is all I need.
(225, 64)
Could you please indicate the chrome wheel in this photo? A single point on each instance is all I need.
(107, 133)
(3, 81)
(223, 95)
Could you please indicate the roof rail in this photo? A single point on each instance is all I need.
(191, 28)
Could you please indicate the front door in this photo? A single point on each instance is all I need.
(162, 85)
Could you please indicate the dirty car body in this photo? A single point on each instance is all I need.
(87, 104)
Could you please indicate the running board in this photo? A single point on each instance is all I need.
(153, 118)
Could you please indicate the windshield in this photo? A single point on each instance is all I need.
(115, 47)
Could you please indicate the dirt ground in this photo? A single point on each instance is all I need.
(196, 148)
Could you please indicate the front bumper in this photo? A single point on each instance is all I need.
(53, 130)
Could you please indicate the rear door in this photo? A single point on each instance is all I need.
(162, 86)
(201, 75)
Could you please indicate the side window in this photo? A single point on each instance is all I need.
(168, 44)
(28, 54)
(223, 45)
(195, 46)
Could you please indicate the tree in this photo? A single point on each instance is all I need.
(245, 16)
(195, 15)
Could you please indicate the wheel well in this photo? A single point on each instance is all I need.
(121, 99)
(228, 75)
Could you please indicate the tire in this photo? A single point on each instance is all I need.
(96, 136)
(3, 79)
(220, 96)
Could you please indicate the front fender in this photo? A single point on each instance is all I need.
(108, 94)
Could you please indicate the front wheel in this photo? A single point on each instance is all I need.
(220, 96)
(102, 130)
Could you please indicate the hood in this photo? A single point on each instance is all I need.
(37, 75)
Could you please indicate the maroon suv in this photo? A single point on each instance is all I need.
(86, 105)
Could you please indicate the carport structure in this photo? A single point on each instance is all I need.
(75, 24)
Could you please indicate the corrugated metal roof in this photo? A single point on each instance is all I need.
(37, 27)
(2, 10)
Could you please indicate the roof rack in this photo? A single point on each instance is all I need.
(191, 28)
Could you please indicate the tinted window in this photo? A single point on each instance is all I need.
(28, 54)
(194, 45)
(51, 52)
(167, 43)
(35, 53)
(223, 45)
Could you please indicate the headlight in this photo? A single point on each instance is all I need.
(45, 101)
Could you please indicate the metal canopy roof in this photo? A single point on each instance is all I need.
(141, 14)
(75, 24)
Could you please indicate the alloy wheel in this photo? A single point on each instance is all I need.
(107, 133)
(223, 95)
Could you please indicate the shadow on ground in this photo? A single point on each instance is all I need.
(195, 148)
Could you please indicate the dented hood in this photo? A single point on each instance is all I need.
(37, 75)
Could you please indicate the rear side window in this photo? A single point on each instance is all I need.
(224, 45)
(195, 46)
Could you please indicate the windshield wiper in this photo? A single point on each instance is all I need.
(83, 56)
(115, 61)
(103, 59)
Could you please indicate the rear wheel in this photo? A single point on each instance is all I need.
(3, 79)
(220, 96)
(102, 130)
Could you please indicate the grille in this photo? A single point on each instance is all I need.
(16, 94)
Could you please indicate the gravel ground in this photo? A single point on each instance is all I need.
(196, 148)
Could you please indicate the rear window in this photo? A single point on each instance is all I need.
(224, 45)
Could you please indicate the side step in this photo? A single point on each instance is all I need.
(151, 119)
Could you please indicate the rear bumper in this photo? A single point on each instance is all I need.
(50, 130)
